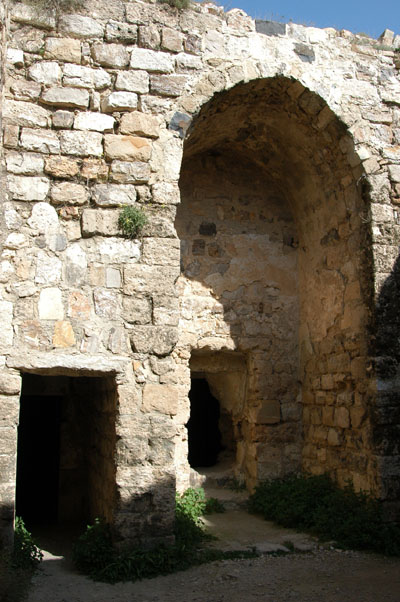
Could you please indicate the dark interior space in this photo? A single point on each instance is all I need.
(204, 436)
(66, 448)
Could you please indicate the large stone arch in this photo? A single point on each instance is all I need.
(275, 278)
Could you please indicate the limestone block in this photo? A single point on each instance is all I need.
(334, 437)
(15, 240)
(69, 193)
(79, 306)
(159, 340)
(97, 122)
(24, 163)
(25, 188)
(78, 26)
(75, 265)
(136, 310)
(394, 172)
(168, 85)
(106, 303)
(25, 90)
(113, 195)
(140, 124)
(6, 271)
(15, 57)
(110, 55)
(66, 97)
(127, 147)
(32, 15)
(81, 144)
(103, 222)
(86, 77)
(120, 101)
(45, 72)
(94, 169)
(41, 141)
(113, 278)
(133, 81)
(188, 61)
(114, 250)
(166, 193)
(43, 217)
(62, 119)
(161, 251)
(172, 39)
(165, 310)
(381, 213)
(145, 279)
(50, 304)
(6, 316)
(150, 60)
(61, 167)
(342, 417)
(63, 334)
(160, 398)
(48, 268)
(10, 136)
(17, 112)
(10, 382)
(117, 31)
(63, 49)
(134, 172)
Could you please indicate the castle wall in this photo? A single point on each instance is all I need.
(287, 234)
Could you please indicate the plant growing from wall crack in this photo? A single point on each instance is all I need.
(131, 221)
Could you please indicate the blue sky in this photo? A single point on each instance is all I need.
(370, 17)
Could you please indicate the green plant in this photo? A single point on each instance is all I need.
(317, 504)
(179, 4)
(131, 221)
(214, 506)
(93, 550)
(25, 553)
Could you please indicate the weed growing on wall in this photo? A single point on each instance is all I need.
(131, 221)
(179, 4)
(317, 504)
(25, 553)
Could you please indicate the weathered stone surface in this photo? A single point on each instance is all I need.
(10, 382)
(40, 141)
(149, 36)
(81, 144)
(113, 277)
(127, 148)
(150, 60)
(25, 114)
(79, 26)
(132, 81)
(114, 250)
(86, 77)
(48, 269)
(61, 167)
(140, 124)
(75, 265)
(94, 121)
(62, 119)
(165, 193)
(120, 101)
(15, 57)
(66, 97)
(25, 90)
(10, 136)
(161, 251)
(113, 195)
(69, 193)
(24, 163)
(145, 279)
(168, 85)
(134, 172)
(160, 398)
(32, 15)
(172, 40)
(15, 240)
(43, 217)
(94, 169)
(63, 49)
(45, 72)
(50, 304)
(110, 55)
(63, 334)
(117, 31)
(106, 303)
(79, 306)
(394, 171)
(6, 330)
(159, 340)
(24, 188)
(137, 310)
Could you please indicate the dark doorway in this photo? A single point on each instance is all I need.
(38, 459)
(204, 436)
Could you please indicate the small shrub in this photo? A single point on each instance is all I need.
(214, 506)
(94, 551)
(131, 221)
(25, 554)
(179, 4)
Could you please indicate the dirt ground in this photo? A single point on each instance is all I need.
(314, 574)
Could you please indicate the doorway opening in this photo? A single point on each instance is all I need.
(204, 435)
(66, 449)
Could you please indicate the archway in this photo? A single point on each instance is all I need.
(275, 267)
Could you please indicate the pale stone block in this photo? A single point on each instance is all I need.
(381, 213)
(116, 250)
(117, 31)
(94, 121)
(160, 398)
(15, 240)
(45, 72)
(110, 55)
(150, 60)
(17, 112)
(10, 136)
(140, 124)
(81, 144)
(63, 334)
(188, 61)
(69, 193)
(168, 85)
(6, 316)
(104, 223)
(114, 195)
(66, 97)
(394, 172)
(79, 306)
(63, 49)
(62, 119)
(106, 303)
(50, 304)
(160, 340)
(161, 251)
(75, 265)
(15, 57)
(172, 40)
(6, 271)
(166, 193)
(41, 141)
(43, 217)
(85, 77)
(113, 278)
(78, 26)
(10, 381)
(120, 101)
(61, 167)
(133, 81)
(24, 163)
(137, 310)
(48, 268)
(25, 188)
(134, 172)
(32, 15)
(94, 169)
(127, 148)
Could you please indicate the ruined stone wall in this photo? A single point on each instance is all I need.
(286, 143)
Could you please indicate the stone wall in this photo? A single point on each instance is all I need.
(282, 146)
